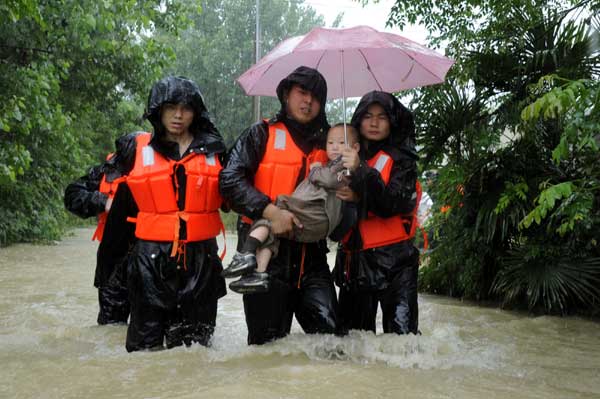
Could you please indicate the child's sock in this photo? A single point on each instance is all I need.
(251, 245)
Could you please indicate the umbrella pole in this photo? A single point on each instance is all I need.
(347, 172)
(344, 98)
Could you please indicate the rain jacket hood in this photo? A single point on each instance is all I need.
(402, 124)
(180, 90)
(311, 80)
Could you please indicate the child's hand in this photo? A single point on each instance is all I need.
(350, 159)
(315, 164)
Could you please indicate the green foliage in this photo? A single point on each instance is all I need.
(546, 201)
(574, 105)
(336, 112)
(451, 139)
(517, 126)
(512, 192)
(551, 276)
(452, 269)
(219, 47)
(74, 73)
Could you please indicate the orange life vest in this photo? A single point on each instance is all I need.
(154, 188)
(108, 188)
(281, 164)
(376, 231)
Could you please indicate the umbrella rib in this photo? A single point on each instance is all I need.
(319, 62)
(266, 70)
(415, 61)
(370, 70)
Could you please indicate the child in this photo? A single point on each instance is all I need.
(315, 205)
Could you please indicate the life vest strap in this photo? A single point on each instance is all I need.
(99, 232)
(222, 255)
(301, 265)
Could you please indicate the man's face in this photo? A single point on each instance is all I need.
(176, 118)
(302, 105)
(375, 124)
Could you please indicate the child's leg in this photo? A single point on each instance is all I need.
(245, 261)
(260, 233)
(263, 256)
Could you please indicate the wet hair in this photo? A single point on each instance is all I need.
(352, 132)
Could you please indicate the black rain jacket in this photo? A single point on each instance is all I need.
(236, 181)
(201, 278)
(83, 199)
(374, 269)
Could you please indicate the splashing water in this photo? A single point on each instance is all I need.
(51, 347)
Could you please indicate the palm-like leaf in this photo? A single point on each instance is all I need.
(552, 281)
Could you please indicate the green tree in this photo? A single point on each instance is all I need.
(73, 73)
(219, 47)
(516, 126)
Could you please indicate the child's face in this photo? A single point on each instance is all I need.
(375, 124)
(336, 143)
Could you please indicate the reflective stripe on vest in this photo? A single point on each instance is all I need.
(376, 231)
(155, 190)
(281, 164)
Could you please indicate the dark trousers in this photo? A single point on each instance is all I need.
(269, 315)
(113, 304)
(358, 308)
(173, 299)
(151, 326)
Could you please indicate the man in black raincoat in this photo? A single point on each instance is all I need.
(300, 280)
(173, 277)
(378, 264)
(84, 199)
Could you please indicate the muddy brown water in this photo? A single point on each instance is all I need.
(51, 347)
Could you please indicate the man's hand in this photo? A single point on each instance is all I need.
(282, 221)
(345, 193)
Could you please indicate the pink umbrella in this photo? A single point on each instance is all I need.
(353, 61)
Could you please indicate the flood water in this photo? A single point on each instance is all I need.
(51, 347)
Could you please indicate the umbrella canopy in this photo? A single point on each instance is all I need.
(353, 61)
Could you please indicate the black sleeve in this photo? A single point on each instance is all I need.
(399, 196)
(349, 219)
(82, 196)
(121, 163)
(236, 180)
(119, 234)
